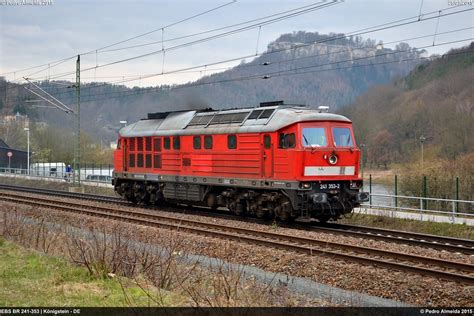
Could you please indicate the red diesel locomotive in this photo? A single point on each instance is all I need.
(284, 161)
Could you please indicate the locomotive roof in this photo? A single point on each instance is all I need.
(246, 120)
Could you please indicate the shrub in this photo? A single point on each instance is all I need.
(441, 180)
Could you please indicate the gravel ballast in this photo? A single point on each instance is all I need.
(409, 288)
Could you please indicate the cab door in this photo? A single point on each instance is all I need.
(267, 154)
(124, 154)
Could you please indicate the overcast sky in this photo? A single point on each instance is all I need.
(31, 35)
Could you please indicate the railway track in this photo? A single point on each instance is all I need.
(74, 195)
(438, 268)
(464, 246)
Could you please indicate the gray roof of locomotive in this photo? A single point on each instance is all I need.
(187, 122)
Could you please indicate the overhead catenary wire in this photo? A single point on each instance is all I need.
(57, 103)
(348, 49)
(421, 7)
(166, 26)
(160, 89)
(242, 23)
(183, 45)
(122, 41)
(364, 31)
(216, 29)
(143, 34)
(255, 77)
(163, 51)
(73, 57)
(177, 71)
(436, 29)
(305, 57)
(258, 40)
(294, 71)
(248, 56)
(348, 34)
(369, 57)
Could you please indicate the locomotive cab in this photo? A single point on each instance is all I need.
(326, 164)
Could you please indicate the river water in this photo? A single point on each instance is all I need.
(379, 188)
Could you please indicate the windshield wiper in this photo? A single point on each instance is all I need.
(306, 140)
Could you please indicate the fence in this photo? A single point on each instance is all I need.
(382, 196)
(405, 203)
(452, 201)
(89, 172)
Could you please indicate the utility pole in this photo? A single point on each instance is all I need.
(27, 130)
(422, 140)
(362, 146)
(77, 158)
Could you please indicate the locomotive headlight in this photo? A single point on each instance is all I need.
(305, 185)
(332, 159)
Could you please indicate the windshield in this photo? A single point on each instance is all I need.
(314, 137)
(342, 137)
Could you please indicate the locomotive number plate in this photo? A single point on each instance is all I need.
(329, 186)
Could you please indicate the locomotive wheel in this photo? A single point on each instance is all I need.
(145, 201)
(283, 216)
(240, 209)
(237, 208)
(323, 219)
(212, 201)
(260, 213)
(131, 199)
(283, 211)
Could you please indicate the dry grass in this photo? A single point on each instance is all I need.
(156, 271)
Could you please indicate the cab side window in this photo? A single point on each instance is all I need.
(131, 154)
(197, 142)
(267, 141)
(157, 144)
(286, 140)
(208, 142)
(232, 141)
(167, 143)
(176, 143)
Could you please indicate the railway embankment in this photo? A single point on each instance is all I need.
(33, 278)
(352, 276)
(91, 266)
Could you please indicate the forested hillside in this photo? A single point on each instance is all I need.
(434, 102)
(332, 72)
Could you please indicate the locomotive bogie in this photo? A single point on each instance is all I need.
(283, 204)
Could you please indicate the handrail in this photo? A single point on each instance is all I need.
(423, 198)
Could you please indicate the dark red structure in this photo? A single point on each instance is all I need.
(18, 159)
(275, 160)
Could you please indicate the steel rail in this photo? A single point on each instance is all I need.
(434, 241)
(75, 195)
(464, 272)
(465, 246)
